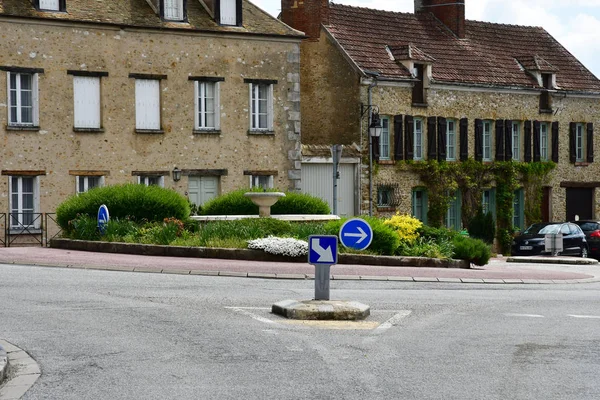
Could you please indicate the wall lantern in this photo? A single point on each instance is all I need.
(176, 174)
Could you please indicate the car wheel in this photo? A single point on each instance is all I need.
(584, 252)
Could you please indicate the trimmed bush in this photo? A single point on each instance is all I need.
(421, 247)
(235, 203)
(385, 239)
(475, 251)
(405, 226)
(134, 201)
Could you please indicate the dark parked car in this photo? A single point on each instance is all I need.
(592, 235)
(532, 240)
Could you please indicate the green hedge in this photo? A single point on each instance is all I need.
(385, 239)
(475, 251)
(235, 203)
(138, 202)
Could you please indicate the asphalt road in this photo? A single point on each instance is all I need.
(121, 335)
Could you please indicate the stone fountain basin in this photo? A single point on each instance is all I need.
(264, 199)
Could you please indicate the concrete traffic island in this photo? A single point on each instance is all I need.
(332, 310)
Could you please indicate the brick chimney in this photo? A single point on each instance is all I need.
(450, 12)
(306, 16)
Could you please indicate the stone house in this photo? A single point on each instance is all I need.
(464, 93)
(201, 96)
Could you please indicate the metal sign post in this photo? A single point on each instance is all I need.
(322, 253)
(336, 154)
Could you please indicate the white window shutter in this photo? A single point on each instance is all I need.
(147, 104)
(35, 98)
(217, 106)
(49, 5)
(250, 109)
(9, 100)
(270, 108)
(228, 12)
(197, 104)
(86, 98)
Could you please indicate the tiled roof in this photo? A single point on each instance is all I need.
(138, 13)
(487, 56)
(409, 52)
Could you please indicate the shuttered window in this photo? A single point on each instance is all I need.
(228, 12)
(86, 98)
(261, 100)
(384, 139)
(418, 139)
(147, 104)
(487, 140)
(207, 105)
(173, 10)
(419, 204)
(451, 140)
(579, 143)
(544, 141)
(516, 141)
(22, 99)
(51, 5)
(149, 180)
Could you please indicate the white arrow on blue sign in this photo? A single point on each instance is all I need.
(322, 249)
(356, 233)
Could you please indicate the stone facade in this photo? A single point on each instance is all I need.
(56, 153)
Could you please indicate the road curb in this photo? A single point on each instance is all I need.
(24, 372)
(3, 364)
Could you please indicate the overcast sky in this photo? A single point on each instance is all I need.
(574, 23)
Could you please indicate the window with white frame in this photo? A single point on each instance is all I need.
(487, 141)
(261, 106)
(228, 12)
(418, 139)
(22, 99)
(24, 202)
(419, 204)
(516, 141)
(384, 139)
(207, 105)
(544, 141)
(86, 102)
(488, 202)
(149, 180)
(147, 104)
(85, 183)
(261, 181)
(451, 140)
(580, 143)
(50, 5)
(173, 10)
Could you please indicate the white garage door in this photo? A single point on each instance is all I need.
(317, 180)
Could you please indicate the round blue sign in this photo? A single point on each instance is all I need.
(356, 233)
(103, 217)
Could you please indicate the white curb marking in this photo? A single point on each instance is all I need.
(392, 321)
(525, 315)
(586, 316)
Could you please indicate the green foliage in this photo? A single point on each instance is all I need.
(117, 229)
(232, 203)
(438, 177)
(235, 203)
(300, 203)
(473, 250)
(83, 227)
(385, 239)
(482, 226)
(506, 184)
(138, 202)
(533, 177)
(441, 248)
(405, 226)
(437, 234)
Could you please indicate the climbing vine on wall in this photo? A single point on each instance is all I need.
(472, 178)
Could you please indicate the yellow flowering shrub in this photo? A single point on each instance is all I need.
(405, 226)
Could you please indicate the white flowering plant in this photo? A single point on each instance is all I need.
(280, 246)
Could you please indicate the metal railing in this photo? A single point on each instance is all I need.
(28, 229)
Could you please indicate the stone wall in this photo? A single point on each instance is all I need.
(118, 151)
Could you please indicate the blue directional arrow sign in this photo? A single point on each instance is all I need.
(322, 249)
(356, 233)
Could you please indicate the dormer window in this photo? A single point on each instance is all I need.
(51, 5)
(229, 12)
(173, 10)
(419, 64)
(418, 95)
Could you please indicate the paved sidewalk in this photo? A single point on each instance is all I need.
(497, 271)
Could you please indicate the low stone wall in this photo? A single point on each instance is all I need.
(246, 254)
